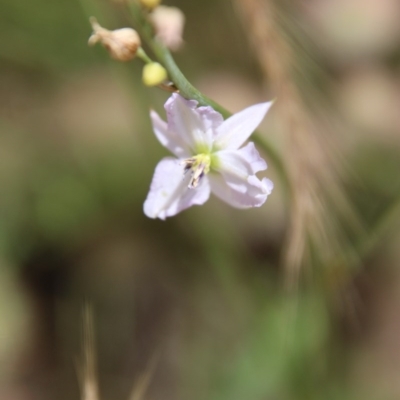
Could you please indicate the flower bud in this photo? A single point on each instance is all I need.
(150, 4)
(168, 23)
(122, 44)
(154, 74)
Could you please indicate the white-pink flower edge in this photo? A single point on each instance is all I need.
(208, 158)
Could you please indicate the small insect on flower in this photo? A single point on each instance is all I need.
(209, 158)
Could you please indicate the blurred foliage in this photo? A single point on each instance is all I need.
(203, 291)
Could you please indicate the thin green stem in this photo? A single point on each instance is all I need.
(143, 56)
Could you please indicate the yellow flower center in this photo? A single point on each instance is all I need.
(198, 166)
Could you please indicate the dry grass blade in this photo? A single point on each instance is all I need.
(142, 383)
(319, 206)
(87, 368)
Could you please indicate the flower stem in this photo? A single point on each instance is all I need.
(143, 56)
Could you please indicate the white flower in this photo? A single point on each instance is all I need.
(209, 158)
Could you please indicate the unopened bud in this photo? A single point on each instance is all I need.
(154, 74)
(122, 44)
(150, 4)
(168, 22)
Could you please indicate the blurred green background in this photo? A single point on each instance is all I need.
(203, 292)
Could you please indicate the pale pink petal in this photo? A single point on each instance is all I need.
(242, 163)
(169, 193)
(168, 138)
(236, 129)
(211, 118)
(193, 125)
(241, 193)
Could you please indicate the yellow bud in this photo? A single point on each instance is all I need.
(150, 4)
(154, 74)
(122, 44)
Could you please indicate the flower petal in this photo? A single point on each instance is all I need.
(169, 193)
(242, 163)
(241, 193)
(168, 138)
(236, 129)
(192, 124)
(211, 119)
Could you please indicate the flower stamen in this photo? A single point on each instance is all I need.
(199, 166)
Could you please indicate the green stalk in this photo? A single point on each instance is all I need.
(143, 56)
